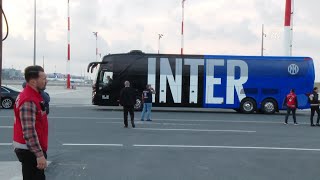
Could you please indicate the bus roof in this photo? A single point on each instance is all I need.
(136, 52)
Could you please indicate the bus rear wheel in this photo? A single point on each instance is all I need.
(269, 106)
(248, 106)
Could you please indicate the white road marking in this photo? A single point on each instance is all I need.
(196, 130)
(6, 127)
(150, 123)
(177, 120)
(229, 147)
(71, 144)
(5, 144)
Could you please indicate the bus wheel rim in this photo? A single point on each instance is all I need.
(269, 107)
(248, 106)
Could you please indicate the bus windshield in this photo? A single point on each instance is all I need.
(105, 78)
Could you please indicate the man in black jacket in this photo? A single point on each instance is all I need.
(128, 100)
(314, 103)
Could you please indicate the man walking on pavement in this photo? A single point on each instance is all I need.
(147, 102)
(128, 100)
(314, 103)
(30, 130)
(291, 102)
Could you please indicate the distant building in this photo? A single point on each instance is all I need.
(12, 74)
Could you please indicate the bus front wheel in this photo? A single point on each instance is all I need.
(248, 106)
(269, 106)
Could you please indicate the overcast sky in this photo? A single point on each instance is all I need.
(211, 27)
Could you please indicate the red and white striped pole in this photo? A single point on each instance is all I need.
(68, 60)
(182, 30)
(288, 27)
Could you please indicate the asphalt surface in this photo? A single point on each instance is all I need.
(88, 142)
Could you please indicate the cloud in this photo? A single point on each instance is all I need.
(211, 27)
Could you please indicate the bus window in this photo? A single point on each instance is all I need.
(106, 78)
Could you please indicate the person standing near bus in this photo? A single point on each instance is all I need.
(314, 103)
(128, 100)
(30, 129)
(291, 102)
(147, 102)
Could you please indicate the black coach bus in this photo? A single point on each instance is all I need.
(243, 83)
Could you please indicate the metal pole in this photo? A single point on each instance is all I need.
(68, 60)
(96, 35)
(97, 47)
(35, 32)
(182, 26)
(1, 48)
(262, 40)
(160, 36)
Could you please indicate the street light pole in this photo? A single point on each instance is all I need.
(96, 35)
(182, 28)
(35, 32)
(68, 51)
(262, 40)
(160, 36)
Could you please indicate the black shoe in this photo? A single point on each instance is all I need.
(317, 124)
(313, 125)
(133, 126)
(125, 126)
(149, 120)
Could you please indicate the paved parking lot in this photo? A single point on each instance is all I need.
(88, 142)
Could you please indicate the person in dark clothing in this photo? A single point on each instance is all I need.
(291, 102)
(128, 100)
(45, 97)
(314, 103)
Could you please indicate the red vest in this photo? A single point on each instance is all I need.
(41, 125)
(291, 100)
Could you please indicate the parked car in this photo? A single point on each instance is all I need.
(8, 96)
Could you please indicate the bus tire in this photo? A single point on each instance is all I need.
(269, 106)
(138, 106)
(248, 106)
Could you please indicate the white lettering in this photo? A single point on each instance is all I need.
(152, 75)
(211, 81)
(175, 83)
(194, 71)
(236, 84)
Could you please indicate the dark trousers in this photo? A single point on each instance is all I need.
(129, 109)
(29, 165)
(313, 110)
(289, 110)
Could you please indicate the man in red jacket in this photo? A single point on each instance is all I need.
(291, 102)
(30, 130)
